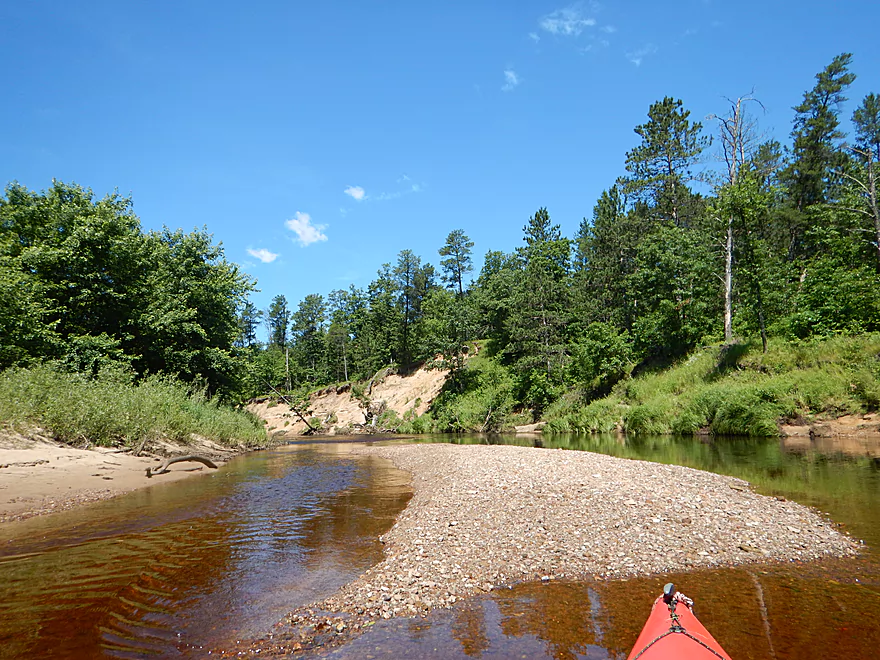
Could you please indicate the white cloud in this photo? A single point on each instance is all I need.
(608, 29)
(568, 22)
(637, 56)
(355, 191)
(263, 255)
(306, 232)
(534, 37)
(511, 80)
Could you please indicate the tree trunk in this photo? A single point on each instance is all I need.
(872, 193)
(728, 283)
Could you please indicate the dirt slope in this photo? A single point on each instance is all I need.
(339, 412)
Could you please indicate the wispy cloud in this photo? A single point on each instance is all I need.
(263, 255)
(397, 194)
(534, 37)
(638, 55)
(568, 22)
(306, 233)
(608, 29)
(355, 191)
(511, 80)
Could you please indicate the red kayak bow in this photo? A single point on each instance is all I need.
(673, 632)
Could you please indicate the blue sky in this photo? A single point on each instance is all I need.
(318, 139)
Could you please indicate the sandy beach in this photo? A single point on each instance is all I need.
(39, 476)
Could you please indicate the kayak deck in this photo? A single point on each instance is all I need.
(673, 632)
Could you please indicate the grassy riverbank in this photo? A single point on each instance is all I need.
(737, 391)
(110, 410)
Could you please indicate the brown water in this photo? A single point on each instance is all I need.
(165, 571)
(210, 560)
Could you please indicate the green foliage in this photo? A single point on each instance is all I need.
(536, 318)
(600, 357)
(660, 167)
(835, 298)
(80, 282)
(457, 263)
(109, 410)
(483, 404)
(815, 379)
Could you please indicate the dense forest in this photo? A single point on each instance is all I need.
(781, 242)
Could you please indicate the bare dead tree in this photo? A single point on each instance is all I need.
(866, 185)
(739, 138)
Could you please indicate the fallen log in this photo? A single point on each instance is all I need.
(180, 459)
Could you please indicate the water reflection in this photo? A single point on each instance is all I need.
(196, 562)
(755, 614)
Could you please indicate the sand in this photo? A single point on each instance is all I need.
(39, 476)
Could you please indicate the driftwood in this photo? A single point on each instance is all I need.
(180, 459)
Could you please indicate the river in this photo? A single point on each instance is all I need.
(204, 562)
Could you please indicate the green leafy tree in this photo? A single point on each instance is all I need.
(189, 324)
(678, 303)
(448, 322)
(308, 338)
(493, 296)
(600, 357)
(381, 332)
(816, 135)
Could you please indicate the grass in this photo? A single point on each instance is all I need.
(110, 410)
(742, 392)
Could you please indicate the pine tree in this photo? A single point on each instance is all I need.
(816, 135)
(660, 167)
(457, 263)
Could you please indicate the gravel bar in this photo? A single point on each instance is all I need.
(484, 516)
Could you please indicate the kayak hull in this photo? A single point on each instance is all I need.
(681, 638)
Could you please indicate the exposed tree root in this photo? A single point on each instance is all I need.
(180, 459)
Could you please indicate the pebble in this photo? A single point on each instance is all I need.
(484, 517)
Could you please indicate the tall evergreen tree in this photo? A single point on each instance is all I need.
(457, 263)
(278, 321)
(816, 135)
(536, 324)
(660, 168)
(248, 320)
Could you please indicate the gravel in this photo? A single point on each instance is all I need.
(486, 516)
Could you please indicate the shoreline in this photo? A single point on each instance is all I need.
(39, 476)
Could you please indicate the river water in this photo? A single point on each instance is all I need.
(207, 561)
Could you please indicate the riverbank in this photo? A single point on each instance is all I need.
(486, 517)
(39, 476)
(813, 387)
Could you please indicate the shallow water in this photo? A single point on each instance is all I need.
(206, 561)
(199, 562)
